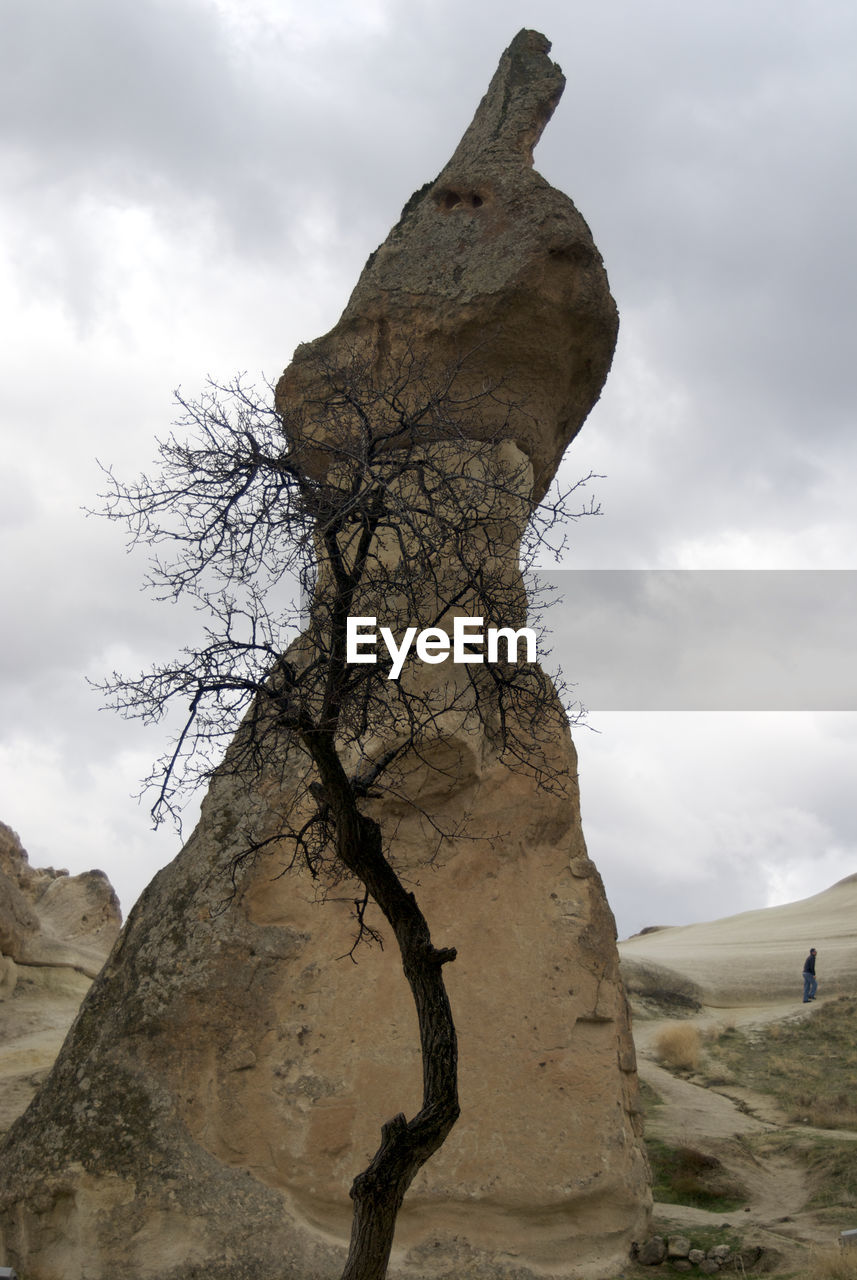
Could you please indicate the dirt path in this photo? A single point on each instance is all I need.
(691, 1112)
(718, 1122)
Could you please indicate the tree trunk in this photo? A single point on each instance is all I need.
(406, 1145)
(378, 1192)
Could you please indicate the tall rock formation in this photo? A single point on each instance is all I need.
(229, 1072)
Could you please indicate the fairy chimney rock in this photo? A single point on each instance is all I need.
(227, 1077)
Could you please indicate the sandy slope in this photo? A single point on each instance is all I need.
(754, 958)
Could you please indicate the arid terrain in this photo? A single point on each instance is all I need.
(776, 1179)
(733, 987)
(756, 1144)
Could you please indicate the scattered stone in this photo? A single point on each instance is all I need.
(678, 1247)
(696, 1256)
(653, 1252)
(719, 1253)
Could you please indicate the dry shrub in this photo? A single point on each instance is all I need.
(833, 1263)
(678, 1046)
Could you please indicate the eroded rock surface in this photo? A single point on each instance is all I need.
(56, 931)
(230, 1071)
(49, 919)
(491, 264)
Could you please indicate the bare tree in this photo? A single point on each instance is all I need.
(384, 496)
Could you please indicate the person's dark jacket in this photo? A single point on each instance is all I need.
(809, 964)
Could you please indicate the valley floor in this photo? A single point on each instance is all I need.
(731, 1123)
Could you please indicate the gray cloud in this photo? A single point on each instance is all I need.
(709, 640)
(193, 187)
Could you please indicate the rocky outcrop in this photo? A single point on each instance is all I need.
(56, 931)
(230, 1069)
(51, 920)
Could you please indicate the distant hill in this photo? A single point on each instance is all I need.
(752, 958)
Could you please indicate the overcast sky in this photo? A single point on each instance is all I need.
(193, 186)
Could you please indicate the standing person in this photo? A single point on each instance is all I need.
(810, 982)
